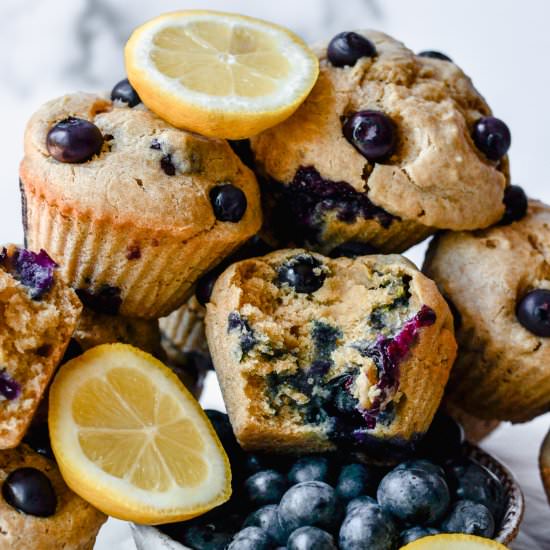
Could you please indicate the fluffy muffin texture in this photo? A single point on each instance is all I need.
(503, 369)
(329, 193)
(74, 525)
(38, 314)
(314, 353)
(134, 226)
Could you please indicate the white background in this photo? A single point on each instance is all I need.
(51, 47)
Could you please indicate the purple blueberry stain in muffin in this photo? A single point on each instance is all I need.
(32, 270)
(9, 388)
(238, 324)
(105, 299)
(301, 208)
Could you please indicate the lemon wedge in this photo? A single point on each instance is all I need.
(131, 440)
(454, 542)
(219, 74)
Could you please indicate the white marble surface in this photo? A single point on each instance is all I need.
(50, 47)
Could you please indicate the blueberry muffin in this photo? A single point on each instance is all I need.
(132, 209)
(388, 147)
(314, 353)
(37, 509)
(38, 314)
(544, 462)
(94, 329)
(498, 281)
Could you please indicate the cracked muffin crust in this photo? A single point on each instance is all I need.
(328, 193)
(314, 353)
(73, 526)
(502, 369)
(134, 225)
(38, 314)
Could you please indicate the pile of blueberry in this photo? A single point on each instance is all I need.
(331, 501)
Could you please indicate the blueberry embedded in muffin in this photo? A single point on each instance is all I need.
(502, 297)
(407, 133)
(38, 510)
(133, 210)
(38, 314)
(314, 353)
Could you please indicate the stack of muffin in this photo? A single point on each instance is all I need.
(321, 335)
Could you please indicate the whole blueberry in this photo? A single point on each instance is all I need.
(303, 273)
(515, 204)
(470, 518)
(123, 91)
(229, 202)
(310, 468)
(205, 537)
(444, 438)
(38, 439)
(265, 487)
(358, 502)
(311, 503)
(422, 464)
(354, 480)
(492, 137)
(30, 491)
(348, 47)
(533, 312)
(310, 538)
(251, 538)
(267, 518)
(415, 533)
(474, 482)
(74, 140)
(368, 528)
(435, 55)
(414, 496)
(372, 133)
(352, 249)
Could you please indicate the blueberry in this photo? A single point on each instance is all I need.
(347, 48)
(265, 487)
(422, 464)
(251, 538)
(435, 55)
(352, 249)
(533, 312)
(303, 273)
(354, 480)
(470, 518)
(492, 137)
(74, 140)
(310, 468)
(35, 271)
(359, 502)
(368, 528)
(38, 439)
(312, 503)
(30, 491)
(205, 537)
(267, 518)
(415, 533)
(9, 388)
(414, 496)
(515, 204)
(472, 481)
(310, 538)
(372, 133)
(444, 438)
(229, 202)
(167, 165)
(123, 91)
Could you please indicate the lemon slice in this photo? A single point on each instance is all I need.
(219, 74)
(454, 542)
(132, 441)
